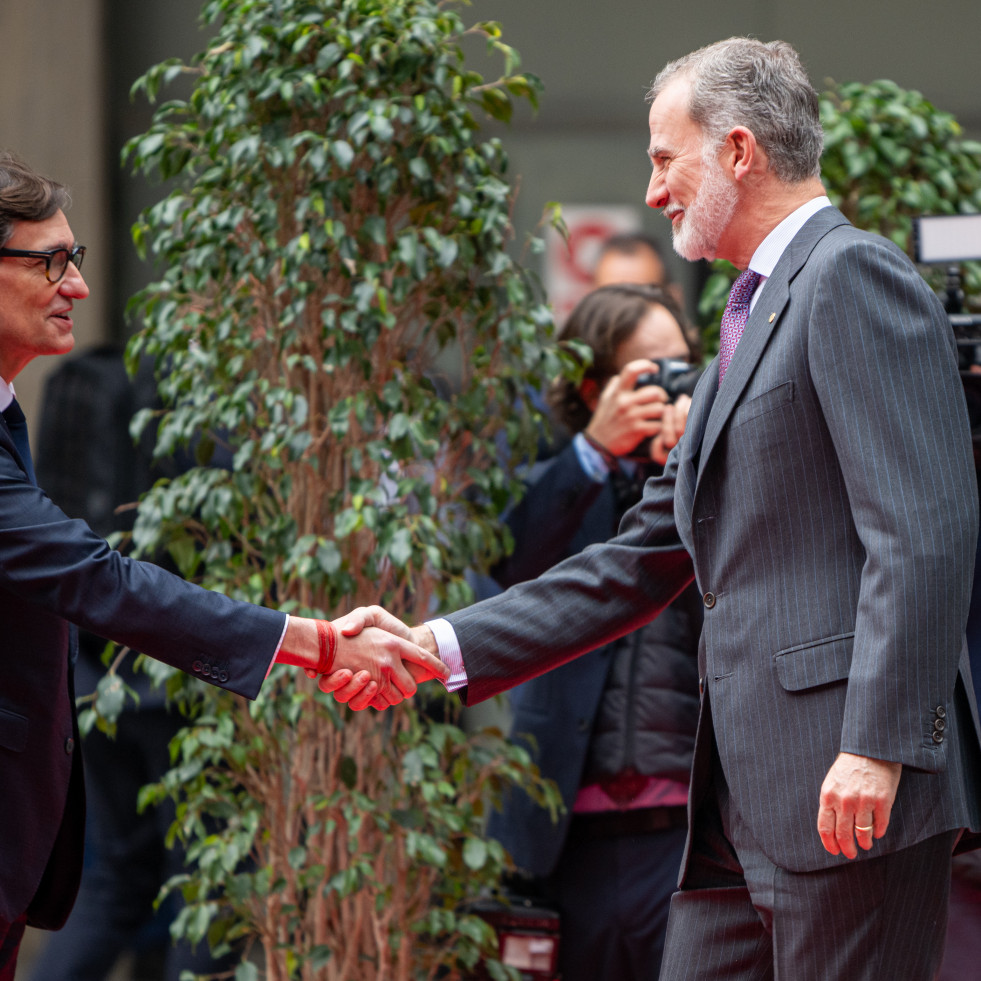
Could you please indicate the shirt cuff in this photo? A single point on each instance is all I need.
(449, 653)
(282, 637)
(590, 459)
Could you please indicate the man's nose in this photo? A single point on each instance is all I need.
(73, 284)
(657, 195)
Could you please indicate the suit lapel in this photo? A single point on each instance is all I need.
(763, 321)
(9, 440)
(690, 448)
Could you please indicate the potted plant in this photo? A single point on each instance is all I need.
(338, 311)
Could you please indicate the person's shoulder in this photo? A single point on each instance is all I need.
(845, 246)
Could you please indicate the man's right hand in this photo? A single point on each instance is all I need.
(376, 628)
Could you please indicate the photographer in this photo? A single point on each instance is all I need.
(615, 728)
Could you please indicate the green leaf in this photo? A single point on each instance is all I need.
(342, 152)
(400, 547)
(475, 853)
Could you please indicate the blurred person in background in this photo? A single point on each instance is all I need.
(631, 257)
(615, 728)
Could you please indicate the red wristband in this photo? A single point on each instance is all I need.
(328, 644)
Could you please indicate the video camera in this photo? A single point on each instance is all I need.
(950, 240)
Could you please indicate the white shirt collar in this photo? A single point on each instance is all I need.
(6, 394)
(767, 255)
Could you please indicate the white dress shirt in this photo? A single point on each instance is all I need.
(7, 394)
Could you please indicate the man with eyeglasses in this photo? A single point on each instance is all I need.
(55, 260)
(56, 573)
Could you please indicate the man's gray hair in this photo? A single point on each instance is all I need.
(762, 86)
(25, 195)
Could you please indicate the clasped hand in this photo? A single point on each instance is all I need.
(376, 662)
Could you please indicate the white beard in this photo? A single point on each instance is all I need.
(697, 234)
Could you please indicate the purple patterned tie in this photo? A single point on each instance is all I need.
(735, 317)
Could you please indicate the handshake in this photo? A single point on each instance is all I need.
(367, 658)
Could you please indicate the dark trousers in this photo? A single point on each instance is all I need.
(127, 862)
(962, 955)
(613, 894)
(741, 918)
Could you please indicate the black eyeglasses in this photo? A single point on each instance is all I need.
(55, 262)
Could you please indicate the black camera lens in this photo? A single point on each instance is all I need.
(676, 377)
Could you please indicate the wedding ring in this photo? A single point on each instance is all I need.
(869, 828)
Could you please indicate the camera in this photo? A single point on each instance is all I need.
(949, 240)
(676, 377)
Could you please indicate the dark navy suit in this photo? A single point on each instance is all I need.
(55, 572)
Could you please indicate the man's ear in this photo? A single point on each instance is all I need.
(744, 152)
(590, 393)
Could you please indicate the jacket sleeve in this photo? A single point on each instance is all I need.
(547, 518)
(600, 594)
(61, 566)
(883, 363)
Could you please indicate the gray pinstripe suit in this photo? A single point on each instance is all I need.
(826, 497)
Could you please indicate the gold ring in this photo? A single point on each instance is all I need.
(869, 828)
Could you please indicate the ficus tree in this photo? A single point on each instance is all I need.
(346, 338)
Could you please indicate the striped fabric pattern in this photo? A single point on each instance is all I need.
(825, 499)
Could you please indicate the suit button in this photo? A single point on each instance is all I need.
(69, 744)
(709, 600)
(941, 712)
(938, 737)
(223, 676)
(197, 666)
(206, 670)
(939, 725)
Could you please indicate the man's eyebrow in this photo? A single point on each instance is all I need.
(656, 150)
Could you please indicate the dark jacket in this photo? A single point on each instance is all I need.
(835, 560)
(630, 704)
(54, 571)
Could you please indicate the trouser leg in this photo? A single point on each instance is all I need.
(715, 933)
(883, 917)
(613, 896)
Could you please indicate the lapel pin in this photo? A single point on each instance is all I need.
(773, 317)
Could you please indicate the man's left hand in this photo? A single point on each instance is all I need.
(856, 801)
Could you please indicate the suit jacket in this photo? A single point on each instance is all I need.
(825, 500)
(55, 572)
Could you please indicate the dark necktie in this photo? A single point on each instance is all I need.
(735, 317)
(14, 417)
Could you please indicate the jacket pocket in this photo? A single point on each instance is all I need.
(13, 731)
(773, 399)
(819, 663)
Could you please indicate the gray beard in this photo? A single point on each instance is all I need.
(707, 216)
